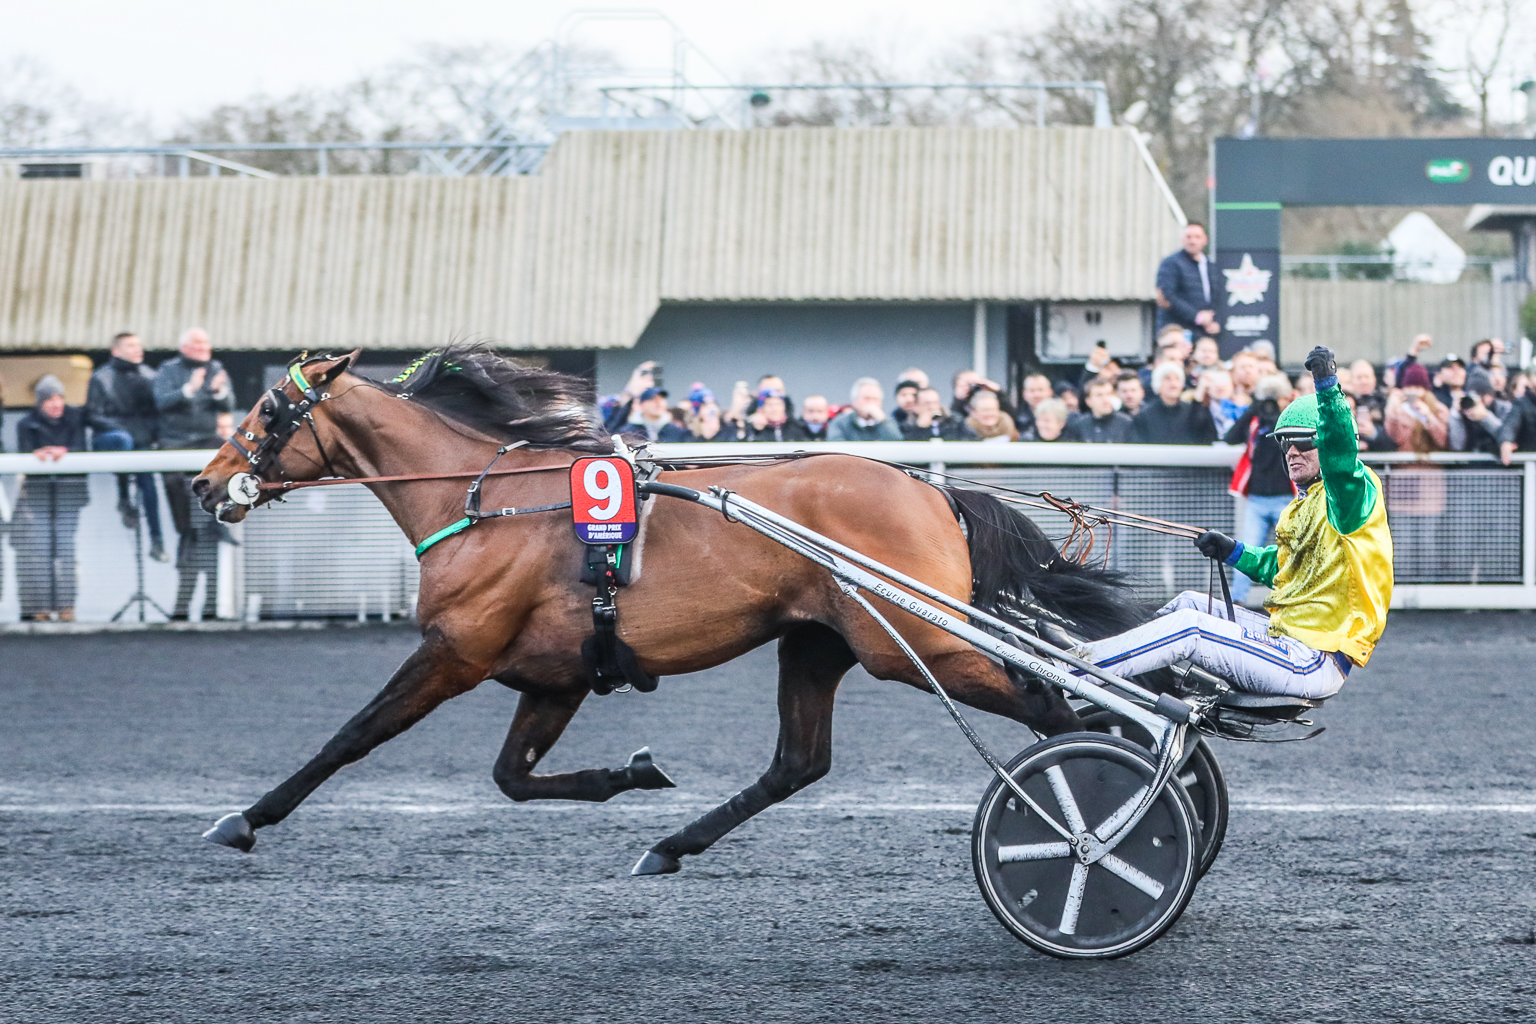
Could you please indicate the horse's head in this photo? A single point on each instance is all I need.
(277, 440)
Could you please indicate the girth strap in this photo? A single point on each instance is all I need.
(610, 663)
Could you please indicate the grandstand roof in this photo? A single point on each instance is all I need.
(581, 254)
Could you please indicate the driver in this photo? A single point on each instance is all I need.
(1330, 570)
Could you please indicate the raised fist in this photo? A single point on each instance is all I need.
(1216, 545)
(1322, 364)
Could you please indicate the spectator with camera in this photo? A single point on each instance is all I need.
(655, 421)
(619, 410)
(1477, 418)
(929, 421)
(906, 400)
(771, 421)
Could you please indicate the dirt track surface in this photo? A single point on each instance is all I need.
(1381, 872)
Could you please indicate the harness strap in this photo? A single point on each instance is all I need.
(443, 534)
(468, 521)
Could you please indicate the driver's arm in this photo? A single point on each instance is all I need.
(1258, 564)
(1351, 494)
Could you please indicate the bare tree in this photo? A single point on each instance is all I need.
(1487, 29)
(36, 109)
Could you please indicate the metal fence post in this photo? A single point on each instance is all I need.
(1528, 526)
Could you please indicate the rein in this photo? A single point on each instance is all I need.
(1085, 519)
(290, 485)
(285, 418)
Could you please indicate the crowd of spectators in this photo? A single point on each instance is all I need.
(187, 402)
(1185, 395)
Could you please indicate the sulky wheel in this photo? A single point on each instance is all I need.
(1201, 776)
(1038, 887)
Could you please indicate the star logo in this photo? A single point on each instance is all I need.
(1247, 283)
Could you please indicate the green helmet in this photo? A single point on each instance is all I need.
(1299, 419)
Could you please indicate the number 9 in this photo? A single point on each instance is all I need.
(610, 491)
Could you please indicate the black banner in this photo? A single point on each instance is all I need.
(1376, 172)
(1250, 281)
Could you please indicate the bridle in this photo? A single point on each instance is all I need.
(282, 419)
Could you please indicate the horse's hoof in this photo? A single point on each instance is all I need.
(233, 831)
(646, 774)
(654, 863)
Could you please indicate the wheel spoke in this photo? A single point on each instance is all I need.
(1074, 899)
(1188, 779)
(1140, 879)
(1065, 800)
(1122, 814)
(1032, 851)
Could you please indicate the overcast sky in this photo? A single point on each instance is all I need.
(171, 58)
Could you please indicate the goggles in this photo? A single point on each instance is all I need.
(1301, 442)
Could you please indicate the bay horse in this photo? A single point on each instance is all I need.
(502, 600)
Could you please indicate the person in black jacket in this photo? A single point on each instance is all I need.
(123, 390)
(929, 421)
(1165, 419)
(1102, 423)
(1186, 296)
(1268, 487)
(48, 510)
(656, 420)
(771, 420)
(1519, 429)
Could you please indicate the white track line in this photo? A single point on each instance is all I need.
(681, 806)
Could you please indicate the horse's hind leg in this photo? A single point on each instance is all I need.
(812, 661)
(539, 721)
(431, 675)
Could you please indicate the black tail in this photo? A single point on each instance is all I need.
(1012, 561)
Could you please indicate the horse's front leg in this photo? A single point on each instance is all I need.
(432, 674)
(539, 721)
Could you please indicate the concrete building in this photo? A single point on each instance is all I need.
(819, 254)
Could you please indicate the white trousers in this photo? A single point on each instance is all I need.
(1241, 652)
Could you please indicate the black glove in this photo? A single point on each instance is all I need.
(1216, 545)
(1322, 364)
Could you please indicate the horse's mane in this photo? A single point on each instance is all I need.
(472, 385)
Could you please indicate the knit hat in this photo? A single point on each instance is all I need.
(47, 386)
(1478, 382)
(1414, 376)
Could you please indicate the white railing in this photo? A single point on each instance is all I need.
(1475, 549)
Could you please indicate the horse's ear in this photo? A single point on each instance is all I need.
(339, 367)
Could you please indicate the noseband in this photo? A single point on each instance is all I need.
(282, 420)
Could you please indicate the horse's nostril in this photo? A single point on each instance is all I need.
(200, 486)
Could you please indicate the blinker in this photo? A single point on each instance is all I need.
(244, 489)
